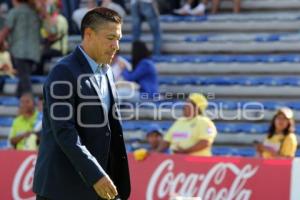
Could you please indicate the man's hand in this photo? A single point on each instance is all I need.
(105, 188)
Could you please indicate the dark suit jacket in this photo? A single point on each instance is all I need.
(75, 149)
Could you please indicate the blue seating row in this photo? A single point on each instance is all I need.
(237, 80)
(216, 80)
(213, 104)
(264, 58)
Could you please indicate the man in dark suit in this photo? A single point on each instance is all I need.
(82, 154)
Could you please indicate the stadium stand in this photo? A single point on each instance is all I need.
(248, 64)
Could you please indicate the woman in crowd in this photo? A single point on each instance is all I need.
(143, 70)
(281, 140)
(192, 134)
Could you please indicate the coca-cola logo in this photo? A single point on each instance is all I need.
(165, 183)
(23, 180)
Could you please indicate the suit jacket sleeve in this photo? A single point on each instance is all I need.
(59, 93)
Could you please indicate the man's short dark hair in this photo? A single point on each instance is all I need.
(99, 16)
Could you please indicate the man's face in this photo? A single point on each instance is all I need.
(105, 42)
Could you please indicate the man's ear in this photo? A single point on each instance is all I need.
(88, 33)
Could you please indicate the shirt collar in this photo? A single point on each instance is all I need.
(94, 66)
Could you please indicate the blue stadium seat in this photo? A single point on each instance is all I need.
(270, 81)
(3, 144)
(176, 80)
(222, 59)
(241, 80)
(271, 58)
(273, 105)
(265, 58)
(199, 38)
(178, 18)
(293, 105)
(130, 126)
(128, 147)
(227, 128)
(246, 58)
(294, 58)
(228, 105)
(218, 81)
(194, 18)
(247, 81)
(245, 152)
(268, 38)
(34, 79)
(170, 18)
(6, 121)
(298, 153)
(222, 151)
(254, 128)
(11, 81)
(201, 59)
(298, 129)
(126, 38)
(165, 125)
(291, 80)
(9, 101)
(38, 79)
(170, 58)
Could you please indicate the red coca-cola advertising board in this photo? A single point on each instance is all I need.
(161, 177)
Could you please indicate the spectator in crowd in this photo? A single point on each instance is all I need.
(154, 137)
(192, 134)
(143, 71)
(281, 140)
(114, 6)
(21, 135)
(68, 7)
(118, 65)
(146, 10)
(193, 7)
(6, 67)
(23, 28)
(122, 3)
(216, 5)
(55, 37)
(79, 13)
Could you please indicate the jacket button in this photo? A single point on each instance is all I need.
(107, 133)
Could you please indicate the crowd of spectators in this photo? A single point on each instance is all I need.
(35, 31)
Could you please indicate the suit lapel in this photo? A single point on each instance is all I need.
(112, 85)
(86, 69)
(113, 90)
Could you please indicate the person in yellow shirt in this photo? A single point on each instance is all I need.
(6, 67)
(281, 140)
(21, 135)
(192, 134)
(55, 36)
